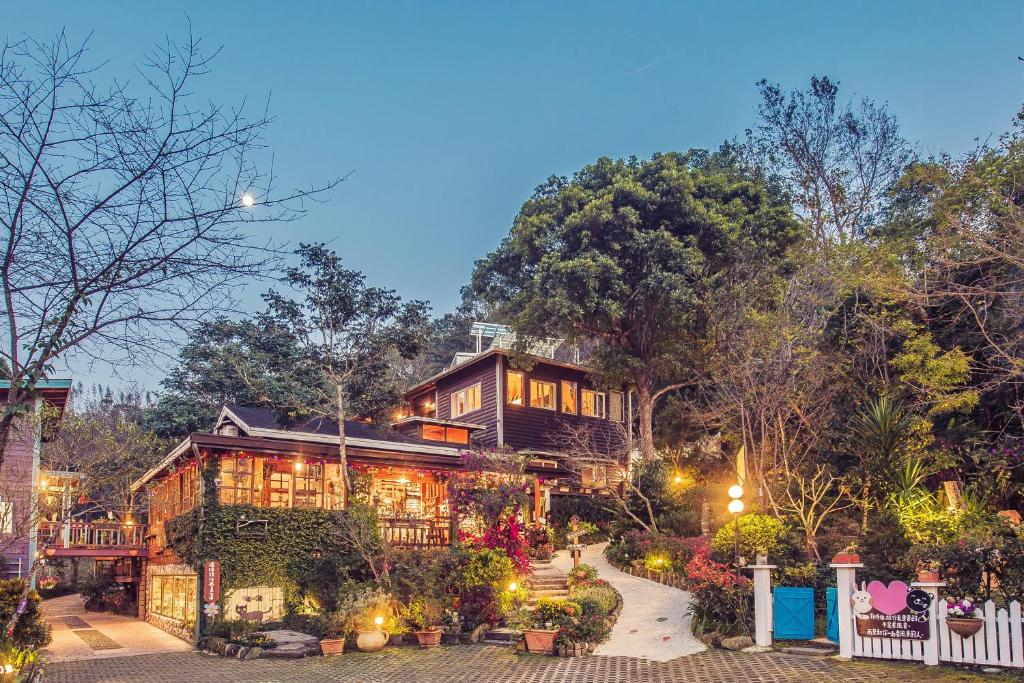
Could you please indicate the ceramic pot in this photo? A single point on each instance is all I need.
(429, 638)
(371, 641)
(965, 627)
(927, 576)
(846, 558)
(332, 646)
(540, 640)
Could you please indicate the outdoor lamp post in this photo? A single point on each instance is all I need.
(736, 507)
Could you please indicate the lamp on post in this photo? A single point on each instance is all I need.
(736, 507)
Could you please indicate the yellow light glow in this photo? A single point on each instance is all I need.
(379, 621)
(678, 479)
(736, 506)
(248, 200)
(512, 587)
(129, 522)
(43, 483)
(298, 466)
(403, 480)
(8, 669)
(735, 491)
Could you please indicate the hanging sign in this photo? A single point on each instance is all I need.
(894, 611)
(211, 581)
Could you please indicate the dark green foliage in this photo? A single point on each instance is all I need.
(281, 557)
(31, 630)
(884, 550)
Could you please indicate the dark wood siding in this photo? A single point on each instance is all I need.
(542, 429)
(483, 372)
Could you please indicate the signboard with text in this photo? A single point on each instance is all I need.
(211, 581)
(893, 611)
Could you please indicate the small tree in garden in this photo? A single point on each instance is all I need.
(351, 338)
(883, 430)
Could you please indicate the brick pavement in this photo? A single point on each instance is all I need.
(491, 664)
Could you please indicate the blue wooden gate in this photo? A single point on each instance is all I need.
(832, 614)
(794, 613)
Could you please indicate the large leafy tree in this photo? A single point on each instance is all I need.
(627, 253)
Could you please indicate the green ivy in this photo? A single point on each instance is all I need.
(280, 557)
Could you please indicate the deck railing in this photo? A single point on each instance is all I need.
(91, 535)
(416, 533)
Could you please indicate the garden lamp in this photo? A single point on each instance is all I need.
(736, 507)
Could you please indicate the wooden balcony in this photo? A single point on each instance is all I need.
(406, 532)
(91, 539)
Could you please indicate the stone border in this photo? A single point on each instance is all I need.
(670, 579)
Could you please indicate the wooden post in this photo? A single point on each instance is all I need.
(931, 646)
(536, 500)
(846, 584)
(763, 607)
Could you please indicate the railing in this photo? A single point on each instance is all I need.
(416, 533)
(91, 535)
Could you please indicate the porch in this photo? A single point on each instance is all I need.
(92, 539)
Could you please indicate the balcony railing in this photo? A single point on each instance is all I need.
(416, 533)
(91, 535)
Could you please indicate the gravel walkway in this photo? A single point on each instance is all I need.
(654, 623)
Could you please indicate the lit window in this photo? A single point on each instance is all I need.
(593, 403)
(514, 388)
(466, 400)
(569, 397)
(542, 394)
(615, 406)
(448, 434)
(236, 481)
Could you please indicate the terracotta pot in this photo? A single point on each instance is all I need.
(429, 638)
(540, 640)
(927, 576)
(332, 646)
(965, 627)
(371, 641)
(846, 558)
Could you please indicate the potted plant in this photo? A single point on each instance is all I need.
(928, 572)
(451, 622)
(424, 615)
(370, 614)
(960, 617)
(336, 627)
(541, 640)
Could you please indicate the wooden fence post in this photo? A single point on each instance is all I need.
(931, 646)
(846, 583)
(762, 603)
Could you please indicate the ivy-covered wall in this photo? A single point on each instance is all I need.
(280, 556)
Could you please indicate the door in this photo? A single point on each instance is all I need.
(794, 613)
(832, 614)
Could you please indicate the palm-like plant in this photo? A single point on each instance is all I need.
(883, 430)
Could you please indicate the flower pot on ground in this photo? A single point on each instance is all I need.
(965, 627)
(540, 640)
(371, 641)
(332, 646)
(429, 637)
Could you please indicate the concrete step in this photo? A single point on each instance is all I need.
(553, 581)
(810, 651)
(502, 636)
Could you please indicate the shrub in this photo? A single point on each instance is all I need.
(30, 630)
(760, 534)
(581, 574)
(558, 611)
(721, 600)
(674, 552)
(595, 599)
(478, 605)
(422, 614)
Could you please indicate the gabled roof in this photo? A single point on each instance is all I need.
(542, 360)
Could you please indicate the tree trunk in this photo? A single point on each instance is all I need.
(342, 453)
(865, 505)
(645, 415)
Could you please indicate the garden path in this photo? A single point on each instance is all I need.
(654, 623)
(80, 635)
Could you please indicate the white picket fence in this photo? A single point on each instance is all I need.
(1000, 642)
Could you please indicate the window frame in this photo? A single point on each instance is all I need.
(622, 406)
(601, 401)
(554, 394)
(522, 388)
(472, 389)
(575, 397)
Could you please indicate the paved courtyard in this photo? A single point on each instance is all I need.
(492, 664)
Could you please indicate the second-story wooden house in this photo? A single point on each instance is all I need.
(482, 401)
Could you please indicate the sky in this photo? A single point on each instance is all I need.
(448, 114)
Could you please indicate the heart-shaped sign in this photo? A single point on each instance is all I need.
(891, 599)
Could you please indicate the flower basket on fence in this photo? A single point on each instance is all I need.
(965, 627)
